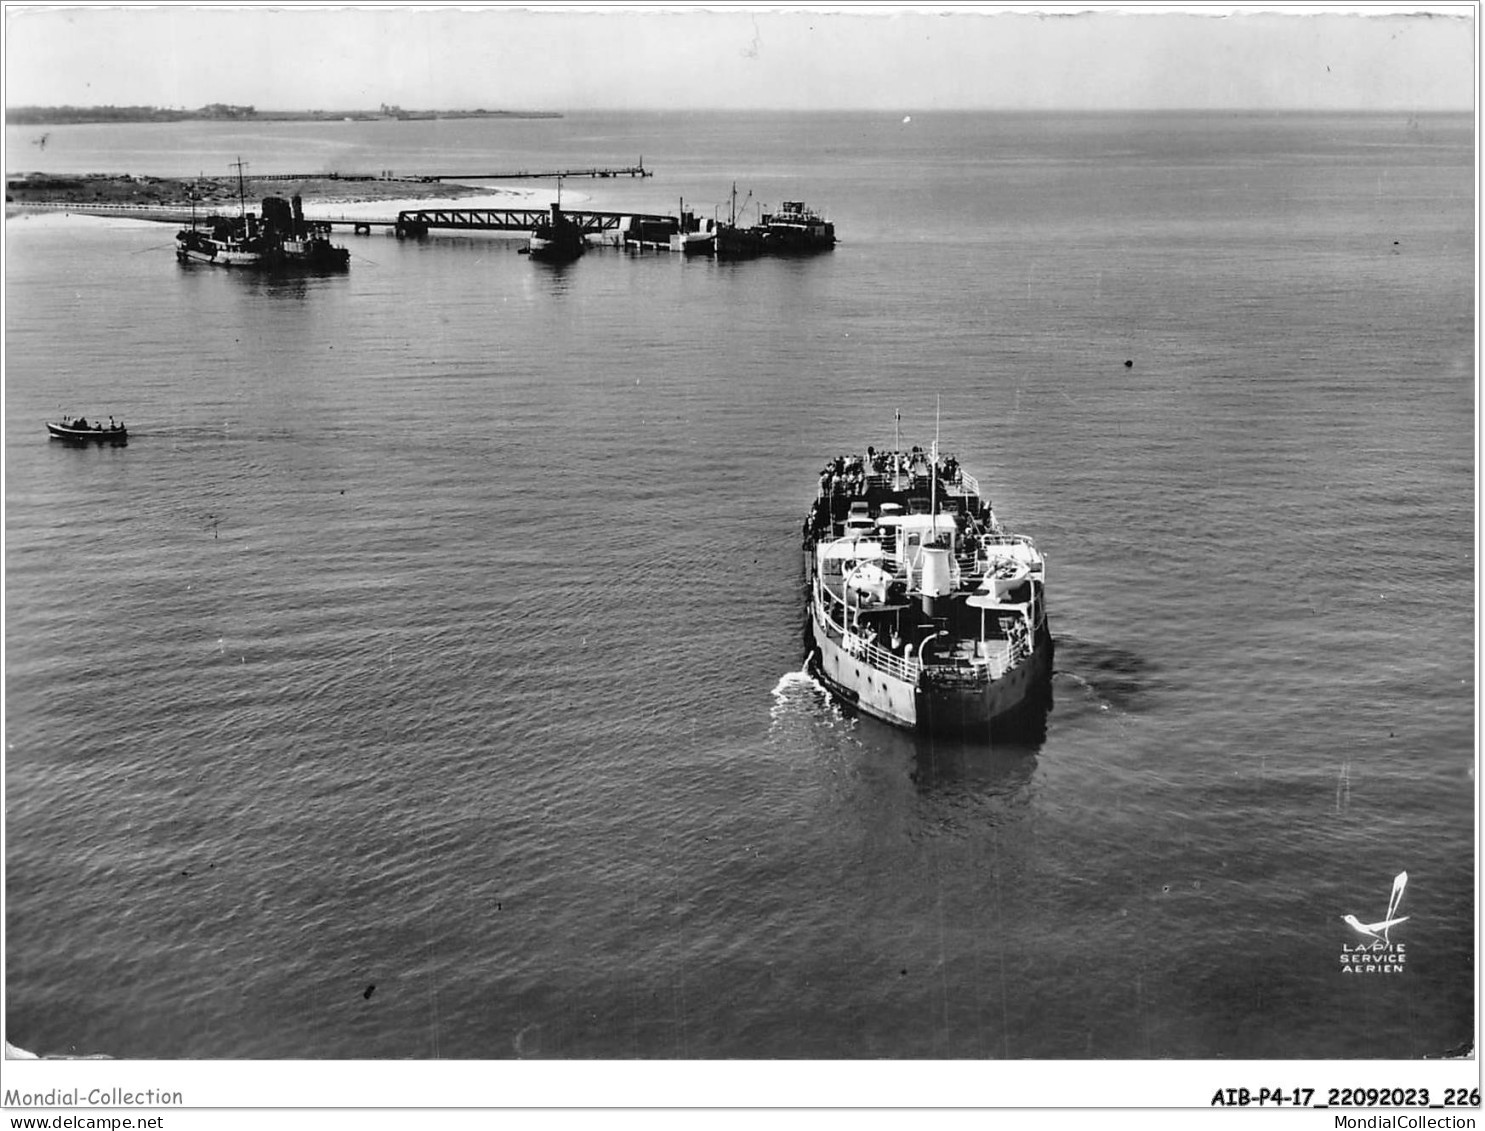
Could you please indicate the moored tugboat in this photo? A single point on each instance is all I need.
(924, 611)
(229, 242)
(795, 228)
(557, 239)
(298, 242)
(735, 242)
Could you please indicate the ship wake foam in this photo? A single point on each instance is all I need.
(797, 690)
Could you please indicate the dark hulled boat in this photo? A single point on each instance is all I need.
(732, 241)
(298, 242)
(80, 430)
(795, 228)
(557, 239)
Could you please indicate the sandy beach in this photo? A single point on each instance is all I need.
(351, 206)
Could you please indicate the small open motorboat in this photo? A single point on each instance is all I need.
(80, 429)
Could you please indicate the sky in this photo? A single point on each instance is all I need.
(730, 56)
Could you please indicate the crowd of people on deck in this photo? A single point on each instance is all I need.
(846, 475)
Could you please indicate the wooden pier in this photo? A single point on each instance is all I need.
(530, 175)
(592, 171)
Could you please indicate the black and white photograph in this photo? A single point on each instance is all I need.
(739, 556)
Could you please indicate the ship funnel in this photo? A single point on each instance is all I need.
(936, 579)
(278, 215)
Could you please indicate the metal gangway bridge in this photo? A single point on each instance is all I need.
(421, 221)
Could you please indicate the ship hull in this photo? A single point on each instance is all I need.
(794, 241)
(305, 255)
(316, 255)
(554, 251)
(996, 704)
(692, 243)
(218, 254)
(928, 706)
(556, 245)
(738, 243)
(89, 435)
(860, 685)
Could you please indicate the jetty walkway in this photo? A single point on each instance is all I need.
(407, 222)
(592, 171)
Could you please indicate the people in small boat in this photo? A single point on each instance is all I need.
(80, 422)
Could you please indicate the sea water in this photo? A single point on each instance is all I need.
(439, 629)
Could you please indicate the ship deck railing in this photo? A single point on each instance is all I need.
(832, 608)
(962, 484)
(973, 658)
(1005, 538)
(882, 659)
(998, 655)
(999, 658)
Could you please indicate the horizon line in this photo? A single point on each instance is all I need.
(1403, 108)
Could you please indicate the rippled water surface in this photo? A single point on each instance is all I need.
(439, 628)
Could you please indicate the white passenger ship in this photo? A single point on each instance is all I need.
(924, 610)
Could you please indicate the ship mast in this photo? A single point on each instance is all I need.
(896, 449)
(933, 468)
(241, 190)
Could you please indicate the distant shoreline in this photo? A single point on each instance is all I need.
(124, 115)
(212, 192)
